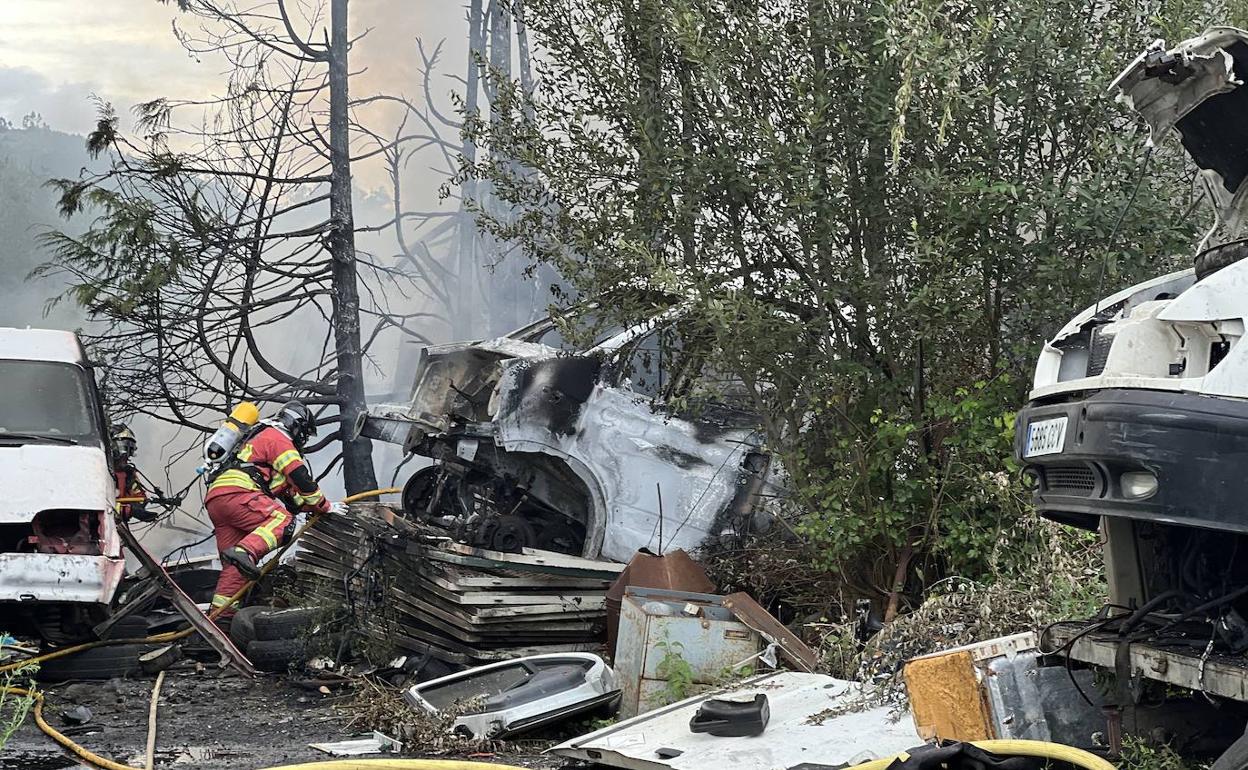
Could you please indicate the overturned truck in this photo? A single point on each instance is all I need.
(578, 450)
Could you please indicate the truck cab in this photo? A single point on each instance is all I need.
(60, 552)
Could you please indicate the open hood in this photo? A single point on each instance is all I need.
(1196, 89)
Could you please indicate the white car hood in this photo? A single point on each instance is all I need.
(37, 477)
(1197, 89)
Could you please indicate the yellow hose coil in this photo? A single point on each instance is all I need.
(1042, 749)
(394, 764)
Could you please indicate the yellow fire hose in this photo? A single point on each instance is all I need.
(1014, 748)
(171, 636)
(394, 764)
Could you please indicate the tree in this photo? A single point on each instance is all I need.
(873, 214)
(221, 249)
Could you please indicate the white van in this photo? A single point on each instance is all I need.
(60, 553)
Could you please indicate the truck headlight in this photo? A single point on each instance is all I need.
(1138, 484)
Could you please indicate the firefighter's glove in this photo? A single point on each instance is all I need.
(340, 509)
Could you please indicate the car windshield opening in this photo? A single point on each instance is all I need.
(45, 401)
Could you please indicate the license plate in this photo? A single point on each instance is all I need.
(1045, 437)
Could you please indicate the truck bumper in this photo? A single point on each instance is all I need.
(46, 577)
(1196, 446)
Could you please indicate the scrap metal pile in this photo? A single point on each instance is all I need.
(402, 586)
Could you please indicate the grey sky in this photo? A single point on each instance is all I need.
(54, 54)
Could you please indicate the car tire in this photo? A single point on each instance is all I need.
(1235, 757)
(130, 627)
(285, 624)
(277, 655)
(1212, 260)
(107, 662)
(243, 626)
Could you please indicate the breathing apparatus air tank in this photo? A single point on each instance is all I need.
(226, 438)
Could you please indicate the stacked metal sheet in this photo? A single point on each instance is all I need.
(410, 589)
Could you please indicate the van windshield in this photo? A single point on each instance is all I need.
(46, 402)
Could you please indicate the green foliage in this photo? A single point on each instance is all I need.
(873, 215)
(1138, 754)
(675, 670)
(14, 708)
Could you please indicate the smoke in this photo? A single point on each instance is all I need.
(59, 58)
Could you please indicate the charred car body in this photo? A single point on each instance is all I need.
(574, 450)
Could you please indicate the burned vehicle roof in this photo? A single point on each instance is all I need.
(1195, 89)
(574, 450)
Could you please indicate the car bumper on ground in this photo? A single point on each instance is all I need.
(40, 577)
(1171, 458)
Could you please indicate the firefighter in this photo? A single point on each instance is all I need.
(251, 498)
(125, 445)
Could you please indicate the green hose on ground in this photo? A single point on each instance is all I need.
(1016, 748)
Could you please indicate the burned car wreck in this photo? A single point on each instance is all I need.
(575, 450)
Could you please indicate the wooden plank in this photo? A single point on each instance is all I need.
(1223, 676)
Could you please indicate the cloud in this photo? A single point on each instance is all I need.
(64, 106)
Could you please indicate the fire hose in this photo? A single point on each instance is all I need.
(1017, 748)
(170, 636)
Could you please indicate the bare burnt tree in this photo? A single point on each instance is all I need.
(222, 262)
(479, 290)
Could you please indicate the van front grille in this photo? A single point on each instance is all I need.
(1070, 480)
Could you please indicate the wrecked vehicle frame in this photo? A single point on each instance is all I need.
(575, 450)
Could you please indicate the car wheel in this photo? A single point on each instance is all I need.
(419, 491)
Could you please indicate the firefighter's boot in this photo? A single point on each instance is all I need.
(241, 558)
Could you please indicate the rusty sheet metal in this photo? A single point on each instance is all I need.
(658, 626)
(208, 630)
(752, 614)
(530, 560)
(404, 588)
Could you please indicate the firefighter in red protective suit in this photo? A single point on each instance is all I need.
(125, 446)
(251, 499)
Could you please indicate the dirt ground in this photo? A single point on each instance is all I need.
(207, 720)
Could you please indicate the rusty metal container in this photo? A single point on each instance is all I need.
(676, 644)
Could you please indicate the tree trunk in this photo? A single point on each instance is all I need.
(357, 455)
(464, 317)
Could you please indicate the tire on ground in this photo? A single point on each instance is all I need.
(277, 655)
(285, 624)
(97, 663)
(243, 626)
(1212, 260)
